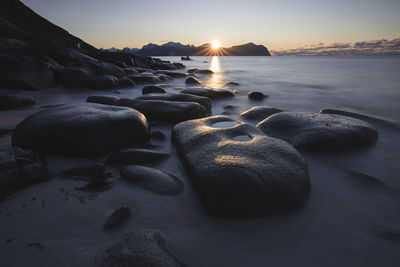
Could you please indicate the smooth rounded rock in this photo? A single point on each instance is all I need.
(105, 82)
(152, 179)
(259, 112)
(15, 101)
(192, 80)
(85, 129)
(208, 92)
(125, 82)
(151, 89)
(100, 99)
(237, 170)
(320, 132)
(256, 95)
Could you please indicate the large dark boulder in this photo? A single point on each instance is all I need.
(152, 179)
(259, 112)
(207, 92)
(26, 73)
(256, 95)
(103, 99)
(20, 168)
(192, 80)
(237, 170)
(84, 129)
(14, 101)
(145, 249)
(204, 101)
(86, 74)
(321, 132)
(106, 82)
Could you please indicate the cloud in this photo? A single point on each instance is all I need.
(372, 47)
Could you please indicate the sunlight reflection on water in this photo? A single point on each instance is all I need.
(216, 79)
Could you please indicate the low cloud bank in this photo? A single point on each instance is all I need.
(373, 47)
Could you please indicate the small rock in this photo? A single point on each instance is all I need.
(259, 112)
(152, 179)
(208, 92)
(157, 135)
(118, 218)
(256, 95)
(192, 80)
(125, 82)
(149, 89)
(232, 84)
(15, 101)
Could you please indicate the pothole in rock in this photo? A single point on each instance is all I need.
(242, 138)
(224, 124)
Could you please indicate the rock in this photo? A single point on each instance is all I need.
(208, 92)
(256, 95)
(157, 135)
(161, 110)
(178, 65)
(20, 168)
(118, 218)
(105, 82)
(164, 77)
(321, 132)
(259, 112)
(152, 179)
(232, 84)
(84, 129)
(204, 101)
(150, 89)
(135, 156)
(131, 70)
(97, 185)
(125, 82)
(200, 71)
(91, 172)
(100, 99)
(172, 74)
(26, 73)
(144, 248)
(192, 80)
(144, 77)
(89, 74)
(14, 101)
(186, 58)
(237, 170)
(231, 107)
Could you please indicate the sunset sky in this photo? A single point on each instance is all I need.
(275, 24)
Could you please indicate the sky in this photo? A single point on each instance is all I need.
(284, 24)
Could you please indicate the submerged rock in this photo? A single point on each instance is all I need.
(130, 156)
(118, 218)
(144, 248)
(151, 89)
(144, 77)
(321, 132)
(237, 170)
(259, 112)
(20, 168)
(172, 74)
(256, 95)
(84, 129)
(152, 179)
(14, 101)
(232, 84)
(125, 82)
(26, 72)
(105, 82)
(197, 71)
(208, 92)
(192, 80)
(103, 99)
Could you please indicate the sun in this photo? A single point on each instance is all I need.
(215, 44)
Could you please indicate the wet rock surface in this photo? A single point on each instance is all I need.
(133, 156)
(259, 112)
(237, 170)
(86, 129)
(144, 248)
(319, 132)
(192, 80)
(117, 218)
(144, 77)
(152, 179)
(208, 92)
(15, 101)
(20, 168)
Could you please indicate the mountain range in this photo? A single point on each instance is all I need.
(178, 49)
